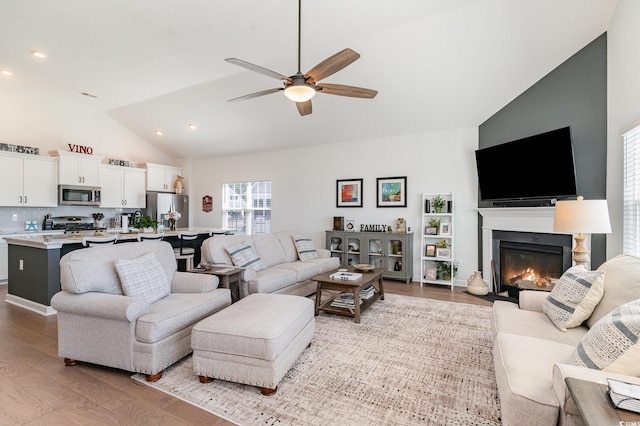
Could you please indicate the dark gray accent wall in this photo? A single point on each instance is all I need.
(574, 94)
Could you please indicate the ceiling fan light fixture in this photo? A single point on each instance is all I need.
(299, 92)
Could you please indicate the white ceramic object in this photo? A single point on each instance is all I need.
(476, 285)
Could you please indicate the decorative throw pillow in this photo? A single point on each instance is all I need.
(574, 297)
(305, 248)
(244, 255)
(613, 343)
(143, 278)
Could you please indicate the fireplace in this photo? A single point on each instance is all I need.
(528, 257)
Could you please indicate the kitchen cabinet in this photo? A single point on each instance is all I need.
(162, 178)
(122, 187)
(4, 261)
(78, 169)
(28, 180)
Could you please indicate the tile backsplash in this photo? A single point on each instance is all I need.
(24, 214)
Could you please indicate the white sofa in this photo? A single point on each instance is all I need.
(285, 273)
(98, 323)
(532, 357)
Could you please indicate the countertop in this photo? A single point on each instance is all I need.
(48, 240)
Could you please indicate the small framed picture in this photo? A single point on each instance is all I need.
(430, 230)
(444, 253)
(445, 228)
(431, 274)
(349, 193)
(430, 250)
(350, 226)
(391, 192)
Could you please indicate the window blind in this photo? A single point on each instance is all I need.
(631, 192)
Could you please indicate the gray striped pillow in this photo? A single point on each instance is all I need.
(574, 297)
(143, 277)
(244, 255)
(613, 343)
(305, 248)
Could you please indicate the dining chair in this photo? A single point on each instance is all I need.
(99, 241)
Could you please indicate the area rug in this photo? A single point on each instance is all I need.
(409, 361)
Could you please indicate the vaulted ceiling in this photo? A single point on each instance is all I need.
(159, 65)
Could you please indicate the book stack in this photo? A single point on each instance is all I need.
(624, 395)
(345, 300)
(367, 292)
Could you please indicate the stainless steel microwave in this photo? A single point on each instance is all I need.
(72, 195)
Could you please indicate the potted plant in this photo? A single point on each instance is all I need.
(442, 244)
(444, 270)
(438, 203)
(145, 222)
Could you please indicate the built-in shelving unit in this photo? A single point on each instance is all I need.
(437, 258)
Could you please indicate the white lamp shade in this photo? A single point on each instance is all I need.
(582, 217)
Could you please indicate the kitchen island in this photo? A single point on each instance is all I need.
(34, 263)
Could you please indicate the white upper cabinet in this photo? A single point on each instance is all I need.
(28, 180)
(162, 178)
(78, 169)
(122, 187)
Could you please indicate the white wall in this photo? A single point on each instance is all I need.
(50, 121)
(623, 105)
(304, 184)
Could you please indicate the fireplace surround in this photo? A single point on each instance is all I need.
(529, 225)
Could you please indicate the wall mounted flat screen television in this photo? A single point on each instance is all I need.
(535, 167)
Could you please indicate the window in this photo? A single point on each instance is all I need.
(246, 207)
(631, 192)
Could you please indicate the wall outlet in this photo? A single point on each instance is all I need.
(14, 217)
(21, 265)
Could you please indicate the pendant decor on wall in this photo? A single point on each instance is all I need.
(207, 203)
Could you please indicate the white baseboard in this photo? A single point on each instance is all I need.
(36, 307)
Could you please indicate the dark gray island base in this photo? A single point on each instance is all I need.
(34, 266)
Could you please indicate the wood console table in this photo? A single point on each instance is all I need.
(596, 407)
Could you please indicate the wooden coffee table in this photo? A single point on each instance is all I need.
(325, 282)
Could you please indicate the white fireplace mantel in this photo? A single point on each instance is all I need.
(522, 219)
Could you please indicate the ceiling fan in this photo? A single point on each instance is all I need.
(299, 87)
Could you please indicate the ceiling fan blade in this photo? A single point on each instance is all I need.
(255, 95)
(257, 68)
(342, 90)
(332, 65)
(304, 108)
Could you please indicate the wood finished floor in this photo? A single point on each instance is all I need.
(37, 389)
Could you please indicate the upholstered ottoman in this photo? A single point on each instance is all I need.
(254, 341)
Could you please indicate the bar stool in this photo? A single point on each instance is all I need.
(150, 237)
(99, 241)
(186, 250)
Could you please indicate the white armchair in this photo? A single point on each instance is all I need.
(100, 324)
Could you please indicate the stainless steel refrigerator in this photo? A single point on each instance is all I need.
(159, 204)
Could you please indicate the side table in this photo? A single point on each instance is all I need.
(595, 406)
(229, 278)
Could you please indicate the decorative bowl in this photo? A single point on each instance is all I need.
(364, 267)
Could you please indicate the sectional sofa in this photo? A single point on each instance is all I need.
(280, 262)
(533, 356)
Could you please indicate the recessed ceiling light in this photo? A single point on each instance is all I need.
(158, 133)
(38, 54)
(193, 126)
(6, 72)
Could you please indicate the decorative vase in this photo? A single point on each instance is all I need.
(476, 285)
(172, 224)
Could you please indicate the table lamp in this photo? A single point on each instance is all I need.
(578, 217)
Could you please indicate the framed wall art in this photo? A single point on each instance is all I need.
(392, 192)
(349, 193)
